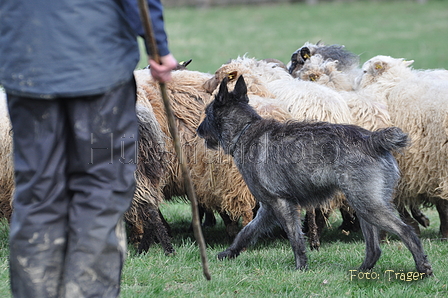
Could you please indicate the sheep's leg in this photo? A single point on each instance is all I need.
(210, 220)
(373, 250)
(263, 222)
(247, 217)
(312, 229)
(419, 216)
(165, 223)
(201, 213)
(135, 232)
(232, 228)
(287, 214)
(350, 222)
(442, 208)
(407, 218)
(155, 229)
(207, 216)
(321, 221)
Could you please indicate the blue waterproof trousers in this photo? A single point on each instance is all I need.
(74, 164)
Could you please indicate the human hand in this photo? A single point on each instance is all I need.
(162, 72)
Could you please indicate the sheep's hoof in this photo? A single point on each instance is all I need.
(170, 253)
(314, 245)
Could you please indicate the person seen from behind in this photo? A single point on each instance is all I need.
(67, 69)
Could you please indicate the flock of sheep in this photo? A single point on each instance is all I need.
(320, 82)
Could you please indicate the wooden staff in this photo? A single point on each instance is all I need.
(151, 44)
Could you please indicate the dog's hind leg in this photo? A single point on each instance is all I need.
(262, 223)
(384, 218)
(373, 250)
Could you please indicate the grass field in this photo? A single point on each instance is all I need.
(402, 29)
(212, 37)
(267, 270)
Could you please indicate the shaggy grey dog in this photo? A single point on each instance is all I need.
(293, 164)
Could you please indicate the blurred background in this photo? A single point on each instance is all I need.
(211, 32)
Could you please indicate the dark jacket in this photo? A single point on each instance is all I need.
(68, 48)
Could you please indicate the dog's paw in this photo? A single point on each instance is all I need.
(426, 269)
(227, 254)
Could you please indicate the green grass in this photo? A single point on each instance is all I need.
(211, 37)
(267, 269)
(402, 29)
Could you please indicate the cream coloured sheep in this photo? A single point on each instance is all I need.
(325, 72)
(417, 102)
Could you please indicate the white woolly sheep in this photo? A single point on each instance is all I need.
(303, 100)
(325, 72)
(417, 102)
(366, 111)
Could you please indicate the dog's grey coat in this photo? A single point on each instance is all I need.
(292, 164)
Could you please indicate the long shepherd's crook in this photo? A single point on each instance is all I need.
(151, 43)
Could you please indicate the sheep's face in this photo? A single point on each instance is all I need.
(347, 60)
(317, 69)
(230, 70)
(382, 66)
(298, 59)
(311, 74)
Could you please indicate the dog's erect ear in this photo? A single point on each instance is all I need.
(223, 92)
(240, 88)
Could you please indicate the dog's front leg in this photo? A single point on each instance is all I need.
(288, 215)
(262, 223)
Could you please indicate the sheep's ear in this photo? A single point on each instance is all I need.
(379, 67)
(232, 75)
(314, 77)
(408, 62)
(223, 92)
(305, 53)
(241, 89)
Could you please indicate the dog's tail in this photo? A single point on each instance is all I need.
(389, 139)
